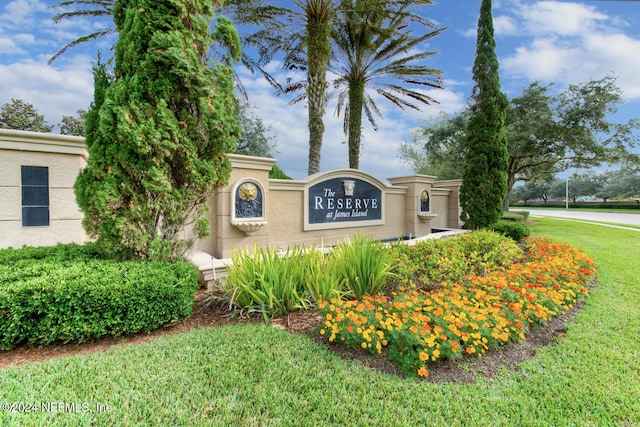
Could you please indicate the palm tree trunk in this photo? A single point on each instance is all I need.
(318, 50)
(356, 103)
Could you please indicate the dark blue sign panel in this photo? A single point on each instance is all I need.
(344, 200)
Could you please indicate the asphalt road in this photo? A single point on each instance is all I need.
(610, 217)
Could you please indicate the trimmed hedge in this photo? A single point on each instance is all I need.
(67, 293)
(514, 229)
(514, 216)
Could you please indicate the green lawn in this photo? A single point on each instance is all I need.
(251, 375)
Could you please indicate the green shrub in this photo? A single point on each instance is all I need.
(431, 262)
(66, 293)
(515, 230)
(277, 173)
(513, 216)
(273, 284)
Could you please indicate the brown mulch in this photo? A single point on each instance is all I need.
(306, 322)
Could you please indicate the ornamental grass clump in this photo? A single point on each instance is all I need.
(363, 265)
(266, 282)
(321, 279)
(467, 316)
(275, 283)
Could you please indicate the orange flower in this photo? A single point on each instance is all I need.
(423, 372)
(423, 356)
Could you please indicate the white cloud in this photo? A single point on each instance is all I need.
(8, 46)
(54, 92)
(544, 59)
(617, 55)
(20, 13)
(572, 43)
(504, 25)
(563, 18)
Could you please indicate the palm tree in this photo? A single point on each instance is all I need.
(310, 50)
(374, 49)
(94, 9)
(318, 15)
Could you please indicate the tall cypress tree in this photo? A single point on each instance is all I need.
(484, 182)
(159, 131)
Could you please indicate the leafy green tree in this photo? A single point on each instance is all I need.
(158, 132)
(373, 48)
(587, 184)
(558, 189)
(484, 183)
(71, 125)
(550, 134)
(622, 183)
(277, 173)
(534, 190)
(547, 134)
(20, 115)
(256, 138)
(439, 148)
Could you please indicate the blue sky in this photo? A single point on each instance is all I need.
(560, 41)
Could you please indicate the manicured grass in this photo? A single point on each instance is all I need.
(592, 222)
(258, 375)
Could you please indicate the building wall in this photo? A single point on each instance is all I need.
(284, 225)
(284, 221)
(64, 156)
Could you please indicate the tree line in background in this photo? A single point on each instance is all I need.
(620, 184)
(21, 115)
(547, 134)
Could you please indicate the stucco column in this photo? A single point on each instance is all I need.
(452, 185)
(417, 220)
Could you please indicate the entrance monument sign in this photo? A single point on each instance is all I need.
(342, 201)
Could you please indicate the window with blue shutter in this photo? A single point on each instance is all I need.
(35, 196)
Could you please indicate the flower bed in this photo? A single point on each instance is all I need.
(467, 316)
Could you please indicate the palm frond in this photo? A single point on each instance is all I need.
(98, 34)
